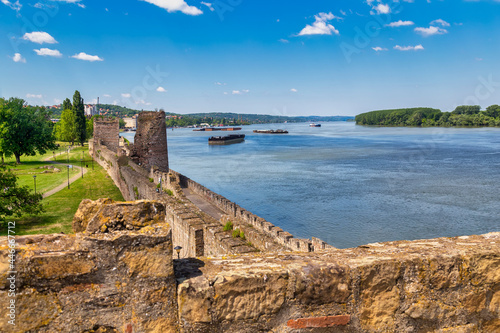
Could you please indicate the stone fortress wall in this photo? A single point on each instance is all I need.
(119, 272)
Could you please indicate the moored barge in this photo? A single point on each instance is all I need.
(226, 140)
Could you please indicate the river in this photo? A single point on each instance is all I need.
(351, 185)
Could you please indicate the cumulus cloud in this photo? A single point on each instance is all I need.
(240, 92)
(378, 49)
(39, 96)
(440, 22)
(86, 57)
(39, 37)
(48, 52)
(293, 90)
(430, 31)
(399, 23)
(176, 6)
(126, 95)
(320, 26)
(209, 5)
(161, 89)
(18, 58)
(381, 9)
(15, 6)
(409, 48)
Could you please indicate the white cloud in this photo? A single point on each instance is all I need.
(240, 92)
(86, 57)
(39, 37)
(175, 6)
(430, 31)
(381, 9)
(126, 95)
(409, 48)
(284, 41)
(440, 22)
(219, 84)
(67, 1)
(236, 92)
(106, 95)
(399, 23)
(48, 52)
(320, 26)
(18, 58)
(15, 6)
(378, 49)
(34, 96)
(209, 5)
(161, 89)
(246, 91)
(293, 90)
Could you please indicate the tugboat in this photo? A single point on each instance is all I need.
(278, 131)
(226, 140)
(314, 125)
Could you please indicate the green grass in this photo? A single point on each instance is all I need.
(61, 206)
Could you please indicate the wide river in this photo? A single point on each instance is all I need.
(351, 185)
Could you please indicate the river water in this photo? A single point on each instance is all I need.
(351, 185)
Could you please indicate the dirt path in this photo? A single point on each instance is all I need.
(65, 184)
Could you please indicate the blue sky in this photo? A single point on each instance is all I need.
(271, 57)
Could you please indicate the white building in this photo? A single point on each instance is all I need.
(90, 110)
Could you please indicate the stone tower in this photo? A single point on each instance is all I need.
(150, 142)
(107, 133)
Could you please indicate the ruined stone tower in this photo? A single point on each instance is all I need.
(107, 133)
(150, 142)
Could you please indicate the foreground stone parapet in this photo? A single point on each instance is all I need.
(106, 215)
(439, 285)
(115, 282)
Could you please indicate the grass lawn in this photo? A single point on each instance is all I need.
(61, 206)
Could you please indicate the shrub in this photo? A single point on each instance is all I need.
(228, 226)
(242, 235)
(169, 192)
(152, 180)
(236, 233)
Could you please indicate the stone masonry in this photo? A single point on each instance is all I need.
(150, 142)
(106, 132)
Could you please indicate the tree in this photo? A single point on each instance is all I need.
(121, 123)
(66, 105)
(66, 128)
(90, 127)
(24, 130)
(16, 200)
(467, 109)
(492, 111)
(80, 123)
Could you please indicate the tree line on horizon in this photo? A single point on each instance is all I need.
(462, 116)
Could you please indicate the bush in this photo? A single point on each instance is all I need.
(242, 235)
(169, 192)
(236, 233)
(228, 226)
(151, 180)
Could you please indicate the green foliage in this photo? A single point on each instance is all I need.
(169, 192)
(16, 200)
(80, 121)
(152, 180)
(90, 127)
(136, 191)
(24, 130)
(242, 235)
(463, 116)
(228, 226)
(121, 123)
(467, 109)
(65, 129)
(236, 233)
(66, 104)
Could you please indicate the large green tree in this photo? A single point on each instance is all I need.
(16, 200)
(80, 121)
(24, 130)
(492, 111)
(66, 129)
(467, 109)
(66, 105)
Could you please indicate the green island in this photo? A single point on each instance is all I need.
(462, 116)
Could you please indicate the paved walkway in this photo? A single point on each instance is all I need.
(65, 184)
(203, 204)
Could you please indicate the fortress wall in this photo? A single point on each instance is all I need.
(116, 282)
(106, 132)
(428, 286)
(242, 217)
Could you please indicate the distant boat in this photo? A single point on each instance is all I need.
(314, 125)
(210, 129)
(278, 131)
(226, 140)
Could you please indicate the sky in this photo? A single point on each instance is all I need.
(287, 58)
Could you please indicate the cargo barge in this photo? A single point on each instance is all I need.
(226, 140)
(278, 131)
(211, 129)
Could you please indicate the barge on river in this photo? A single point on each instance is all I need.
(278, 131)
(226, 140)
(211, 129)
